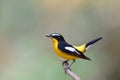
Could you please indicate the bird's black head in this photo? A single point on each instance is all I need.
(56, 36)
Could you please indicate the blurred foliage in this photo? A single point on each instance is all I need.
(25, 53)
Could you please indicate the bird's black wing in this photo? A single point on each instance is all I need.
(70, 50)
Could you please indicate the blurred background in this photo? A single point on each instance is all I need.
(26, 54)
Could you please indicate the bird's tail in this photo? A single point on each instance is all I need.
(84, 47)
(92, 42)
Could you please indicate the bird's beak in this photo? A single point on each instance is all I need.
(48, 35)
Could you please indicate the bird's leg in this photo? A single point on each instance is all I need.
(65, 65)
(64, 62)
(71, 63)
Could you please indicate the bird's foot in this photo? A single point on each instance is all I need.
(66, 66)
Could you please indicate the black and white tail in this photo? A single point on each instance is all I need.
(92, 42)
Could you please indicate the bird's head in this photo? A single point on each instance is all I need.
(56, 36)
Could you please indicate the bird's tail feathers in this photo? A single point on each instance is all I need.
(84, 47)
(92, 42)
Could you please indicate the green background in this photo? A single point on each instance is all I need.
(26, 54)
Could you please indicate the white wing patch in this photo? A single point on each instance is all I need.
(70, 49)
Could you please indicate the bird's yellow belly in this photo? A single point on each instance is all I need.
(64, 55)
(60, 53)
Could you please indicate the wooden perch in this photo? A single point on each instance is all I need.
(69, 72)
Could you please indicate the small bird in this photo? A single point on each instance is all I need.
(67, 51)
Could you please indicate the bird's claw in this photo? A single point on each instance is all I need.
(66, 67)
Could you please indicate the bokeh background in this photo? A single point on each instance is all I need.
(26, 54)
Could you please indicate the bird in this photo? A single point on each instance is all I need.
(66, 51)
